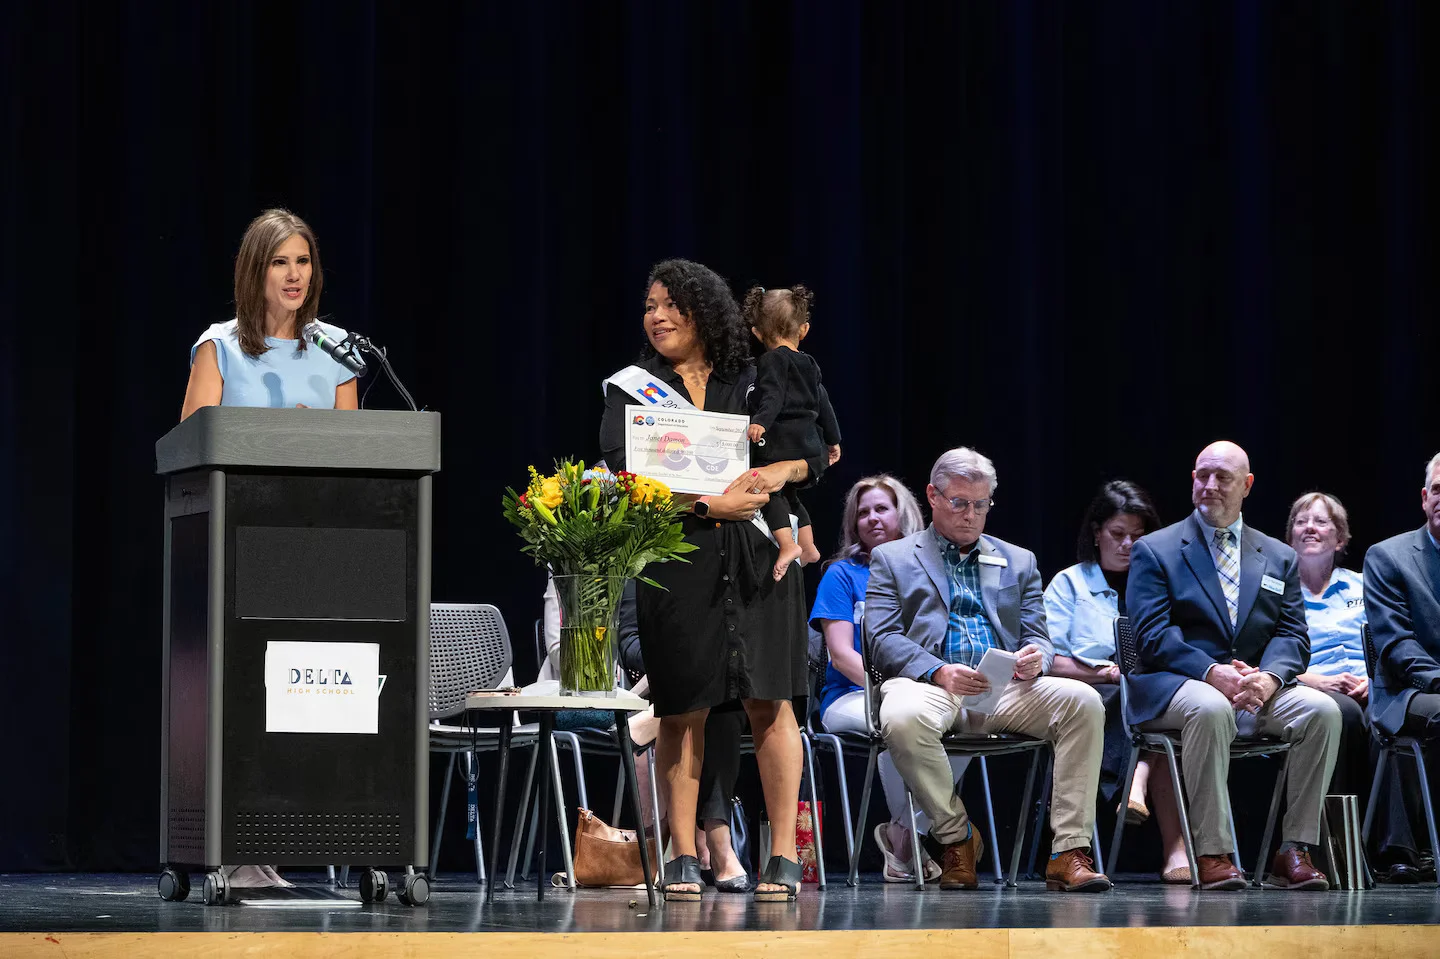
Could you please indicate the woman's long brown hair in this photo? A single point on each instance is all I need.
(262, 238)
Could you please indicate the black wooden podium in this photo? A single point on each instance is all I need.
(294, 526)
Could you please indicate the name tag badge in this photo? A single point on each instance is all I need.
(987, 560)
(1272, 584)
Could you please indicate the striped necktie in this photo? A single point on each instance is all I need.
(1227, 564)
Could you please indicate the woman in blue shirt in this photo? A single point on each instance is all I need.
(1082, 603)
(878, 509)
(259, 358)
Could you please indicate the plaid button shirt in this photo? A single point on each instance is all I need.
(969, 633)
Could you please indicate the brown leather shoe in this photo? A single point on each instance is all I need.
(1218, 872)
(1292, 869)
(1073, 871)
(959, 861)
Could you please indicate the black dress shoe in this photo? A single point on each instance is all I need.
(1400, 874)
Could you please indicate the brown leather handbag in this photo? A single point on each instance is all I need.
(606, 856)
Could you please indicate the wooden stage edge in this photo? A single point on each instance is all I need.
(1252, 942)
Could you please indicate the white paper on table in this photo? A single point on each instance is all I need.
(322, 687)
(997, 666)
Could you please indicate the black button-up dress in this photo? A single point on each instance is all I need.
(722, 628)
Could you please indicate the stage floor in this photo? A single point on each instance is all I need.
(127, 903)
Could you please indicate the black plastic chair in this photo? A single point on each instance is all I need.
(1127, 655)
(1390, 748)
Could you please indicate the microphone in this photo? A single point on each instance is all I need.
(341, 351)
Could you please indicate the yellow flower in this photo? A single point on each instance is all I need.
(647, 490)
(550, 494)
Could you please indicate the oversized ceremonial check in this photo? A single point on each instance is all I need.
(689, 451)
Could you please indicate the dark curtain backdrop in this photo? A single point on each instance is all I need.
(1086, 238)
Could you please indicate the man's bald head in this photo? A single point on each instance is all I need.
(1220, 482)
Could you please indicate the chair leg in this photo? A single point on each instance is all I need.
(1020, 827)
(1419, 753)
(915, 864)
(619, 795)
(1042, 804)
(566, 853)
(1095, 848)
(1124, 796)
(1382, 767)
(572, 742)
(654, 809)
(834, 743)
(440, 822)
(1180, 807)
(1260, 871)
(1235, 842)
(990, 823)
(472, 774)
(816, 825)
(519, 831)
(864, 811)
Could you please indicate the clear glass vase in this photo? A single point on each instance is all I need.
(589, 617)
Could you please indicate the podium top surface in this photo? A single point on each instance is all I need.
(245, 436)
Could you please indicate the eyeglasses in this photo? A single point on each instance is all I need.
(982, 506)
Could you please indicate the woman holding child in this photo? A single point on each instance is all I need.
(722, 628)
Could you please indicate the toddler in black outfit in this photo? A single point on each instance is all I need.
(791, 417)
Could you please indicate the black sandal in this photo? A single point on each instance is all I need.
(682, 870)
(779, 871)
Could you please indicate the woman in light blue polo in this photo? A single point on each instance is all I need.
(260, 358)
(1319, 531)
(1082, 603)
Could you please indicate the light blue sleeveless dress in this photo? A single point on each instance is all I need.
(282, 376)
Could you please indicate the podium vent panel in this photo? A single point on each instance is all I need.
(328, 573)
(369, 837)
(187, 835)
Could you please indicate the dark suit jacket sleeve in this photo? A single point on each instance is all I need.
(890, 650)
(1287, 655)
(771, 378)
(829, 425)
(1032, 614)
(1147, 601)
(612, 427)
(1397, 650)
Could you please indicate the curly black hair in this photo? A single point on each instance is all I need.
(703, 295)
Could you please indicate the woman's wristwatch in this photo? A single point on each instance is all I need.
(701, 507)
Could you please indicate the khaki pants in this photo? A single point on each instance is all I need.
(1067, 714)
(1303, 717)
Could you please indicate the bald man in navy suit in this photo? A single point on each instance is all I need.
(1220, 622)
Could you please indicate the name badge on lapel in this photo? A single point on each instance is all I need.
(1272, 584)
(986, 560)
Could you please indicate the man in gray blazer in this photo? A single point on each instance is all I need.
(1402, 601)
(936, 601)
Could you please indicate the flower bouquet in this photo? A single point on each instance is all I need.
(594, 530)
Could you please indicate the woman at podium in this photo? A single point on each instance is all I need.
(259, 358)
(722, 629)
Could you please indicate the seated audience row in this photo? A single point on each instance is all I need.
(1238, 634)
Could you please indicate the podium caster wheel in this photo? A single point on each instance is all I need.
(415, 890)
(174, 886)
(217, 888)
(374, 886)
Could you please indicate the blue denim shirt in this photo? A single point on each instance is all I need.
(1080, 613)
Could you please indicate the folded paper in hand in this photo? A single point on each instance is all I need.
(997, 666)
